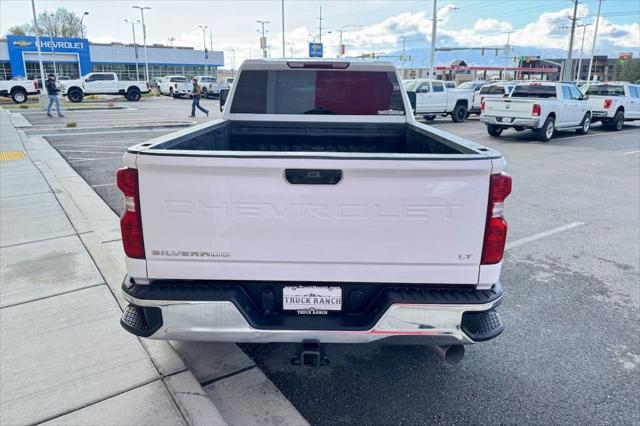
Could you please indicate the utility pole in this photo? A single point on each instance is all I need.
(404, 40)
(35, 26)
(284, 55)
(434, 22)
(593, 46)
(507, 51)
(263, 39)
(210, 39)
(584, 30)
(568, 69)
(144, 39)
(320, 26)
(135, 46)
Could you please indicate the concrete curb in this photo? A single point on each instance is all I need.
(129, 126)
(97, 225)
(99, 231)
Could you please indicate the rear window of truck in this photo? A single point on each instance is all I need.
(605, 90)
(533, 91)
(317, 92)
(178, 80)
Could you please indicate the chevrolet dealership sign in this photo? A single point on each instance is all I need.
(18, 45)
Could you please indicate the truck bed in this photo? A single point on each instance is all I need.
(314, 137)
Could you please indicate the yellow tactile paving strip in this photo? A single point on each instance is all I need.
(11, 155)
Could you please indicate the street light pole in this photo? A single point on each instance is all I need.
(434, 22)
(593, 46)
(507, 50)
(341, 30)
(204, 43)
(35, 26)
(291, 44)
(53, 52)
(263, 40)
(135, 46)
(144, 39)
(81, 28)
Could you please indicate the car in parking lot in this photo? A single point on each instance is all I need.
(613, 103)
(210, 85)
(103, 83)
(175, 86)
(433, 97)
(540, 106)
(487, 91)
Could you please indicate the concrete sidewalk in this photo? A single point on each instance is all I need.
(64, 357)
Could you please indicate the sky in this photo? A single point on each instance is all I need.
(369, 25)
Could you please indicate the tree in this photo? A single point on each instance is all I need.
(630, 70)
(61, 23)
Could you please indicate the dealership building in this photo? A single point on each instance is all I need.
(75, 57)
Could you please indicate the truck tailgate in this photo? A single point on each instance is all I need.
(513, 108)
(238, 218)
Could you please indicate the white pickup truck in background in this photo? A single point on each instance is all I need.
(210, 85)
(540, 106)
(103, 83)
(433, 97)
(316, 210)
(614, 103)
(18, 90)
(175, 86)
(489, 91)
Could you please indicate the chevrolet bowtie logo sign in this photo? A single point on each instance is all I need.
(22, 43)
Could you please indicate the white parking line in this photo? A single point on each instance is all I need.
(539, 235)
(103, 184)
(106, 132)
(97, 145)
(631, 152)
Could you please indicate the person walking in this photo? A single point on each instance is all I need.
(195, 94)
(52, 91)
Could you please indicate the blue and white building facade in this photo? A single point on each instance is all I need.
(75, 57)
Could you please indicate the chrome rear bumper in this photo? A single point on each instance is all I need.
(532, 123)
(222, 321)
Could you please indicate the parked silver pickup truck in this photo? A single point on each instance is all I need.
(316, 210)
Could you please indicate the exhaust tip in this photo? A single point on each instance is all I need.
(450, 354)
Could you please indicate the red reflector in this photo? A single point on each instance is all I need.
(495, 234)
(131, 220)
(607, 103)
(35, 84)
(482, 106)
(536, 110)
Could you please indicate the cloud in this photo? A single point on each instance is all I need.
(491, 24)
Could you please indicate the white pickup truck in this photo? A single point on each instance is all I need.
(433, 97)
(18, 90)
(316, 210)
(210, 85)
(488, 91)
(175, 86)
(103, 83)
(614, 103)
(540, 106)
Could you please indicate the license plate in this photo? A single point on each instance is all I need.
(311, 298)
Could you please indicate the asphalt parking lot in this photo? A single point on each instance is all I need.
(570, 352)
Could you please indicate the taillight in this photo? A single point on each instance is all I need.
(495, 234)
(536, 110)
(131, 221)
(148, 85)
(482, 107)
(607, 103)
(481, 99)
(35, 84)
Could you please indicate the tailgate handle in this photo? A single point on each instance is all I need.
(313, 176)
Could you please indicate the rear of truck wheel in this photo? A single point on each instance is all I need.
(459, 113)
(75, 95)
(617, 122)
(545, 133)
(494, 130)
(133, 95)
(19, 95)
(429, 117)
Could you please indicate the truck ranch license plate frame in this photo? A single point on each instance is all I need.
(311, 300)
